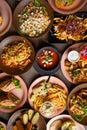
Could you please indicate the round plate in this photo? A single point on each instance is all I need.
(6, 17)
(14, 71)
(52, 80)
(78, 126)
(69, 9)
(20, 7)
(3, 124)
(20, 93)
(76, 89)
(64, 57)
(46, 71)
(41, 123)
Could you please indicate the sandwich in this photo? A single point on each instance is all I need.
(8, 100)
(9, 83)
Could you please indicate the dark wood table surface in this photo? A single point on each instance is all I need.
(32, 74)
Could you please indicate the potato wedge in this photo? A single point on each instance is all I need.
(35, 118)
(30, 114)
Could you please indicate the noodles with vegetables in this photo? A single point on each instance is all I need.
(16, 55)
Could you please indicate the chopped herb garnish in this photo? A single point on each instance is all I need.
(43, 8)
(66, 1)
(80, 117)
(69, 2)
(48, 57)
(16, 83)
(36, 3)
(45, 86)
(75, 73)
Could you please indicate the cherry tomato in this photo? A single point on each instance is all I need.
(83, 52)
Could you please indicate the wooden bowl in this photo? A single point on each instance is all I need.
(15, 71)
(65, 117)
(73, 8)
(83, 120)
(6, 14)
(16, 23)
(41, 122)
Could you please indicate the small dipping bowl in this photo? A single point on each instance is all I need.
(73, 56)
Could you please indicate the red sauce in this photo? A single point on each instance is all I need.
(48, 59)
(83, 53)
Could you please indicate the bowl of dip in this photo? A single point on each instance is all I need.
(73, 56)
(47, 60)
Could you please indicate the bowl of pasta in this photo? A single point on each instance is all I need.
(77, 103)
(33, 19)
(16, 55)
(48, 97)
(66, 6)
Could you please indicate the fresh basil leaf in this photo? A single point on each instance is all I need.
(16, 83)
(36, 3)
